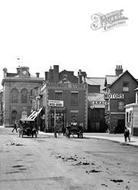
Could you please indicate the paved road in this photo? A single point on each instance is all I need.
(46, 163)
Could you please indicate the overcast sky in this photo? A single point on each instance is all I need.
(51, 32)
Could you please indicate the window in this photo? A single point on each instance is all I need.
(121, 106)
(74, 98)
(14, 95)
(24, 95)
(58, 95)
(125, 86)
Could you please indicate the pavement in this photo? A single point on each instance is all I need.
(113, 137)
(107, 136)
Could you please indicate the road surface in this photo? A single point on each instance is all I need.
(48, 163)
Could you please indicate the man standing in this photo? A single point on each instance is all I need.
(15, 126)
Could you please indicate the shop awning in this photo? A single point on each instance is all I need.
(32, 116)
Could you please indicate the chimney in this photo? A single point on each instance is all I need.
(79, 76)
(118, 70)
(56, 73)
(5, 72)
(37, 75)
(46, 76)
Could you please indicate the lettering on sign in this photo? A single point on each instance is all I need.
(114, 96)
(55, 103)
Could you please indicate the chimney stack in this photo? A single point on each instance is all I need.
(118, 70)
(37, 75)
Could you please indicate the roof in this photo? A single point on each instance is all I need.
(121, 76)
(96, 81)
(32, 116)
(110, 79)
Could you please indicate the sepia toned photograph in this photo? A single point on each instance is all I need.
(68, 95)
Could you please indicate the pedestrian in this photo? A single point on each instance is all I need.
(15, 126)
(126, 134)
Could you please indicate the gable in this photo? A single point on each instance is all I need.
(126, 77)
(70, 76)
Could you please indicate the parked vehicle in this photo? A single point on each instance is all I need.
(74, 129)
(28, 127)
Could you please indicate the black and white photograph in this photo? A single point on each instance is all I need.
(68, 95)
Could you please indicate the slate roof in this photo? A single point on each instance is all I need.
(110, 79)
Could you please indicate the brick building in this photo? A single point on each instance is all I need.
(64, 97)
(119, 91)
(96, 104)
(17, 93)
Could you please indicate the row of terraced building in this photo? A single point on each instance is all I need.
(98, 103)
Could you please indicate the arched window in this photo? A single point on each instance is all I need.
(24, 95)
(14, 95)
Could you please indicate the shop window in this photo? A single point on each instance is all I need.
(24, 95)
(74, 98)
(14, 95)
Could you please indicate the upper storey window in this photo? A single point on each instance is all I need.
(14, 95)
(125, 86)
(24, 95)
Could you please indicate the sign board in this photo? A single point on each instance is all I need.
(55, 103)
(114, 96)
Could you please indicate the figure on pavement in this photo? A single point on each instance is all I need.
(127, 134)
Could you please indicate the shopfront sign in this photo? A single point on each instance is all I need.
(114, 96)
(55, 103)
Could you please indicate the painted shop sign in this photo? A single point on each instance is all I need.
(55, 103)
(114, 96)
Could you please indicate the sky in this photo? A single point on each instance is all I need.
(46, 33)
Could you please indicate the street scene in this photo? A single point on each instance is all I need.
(65, 163)
(68, 95)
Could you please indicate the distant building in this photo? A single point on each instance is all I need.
(119, 91)
(1, 107)
(64, 97)
(96, 104)
(17, 93)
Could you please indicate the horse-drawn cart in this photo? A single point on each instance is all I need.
(74, 129)
(28, 127)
